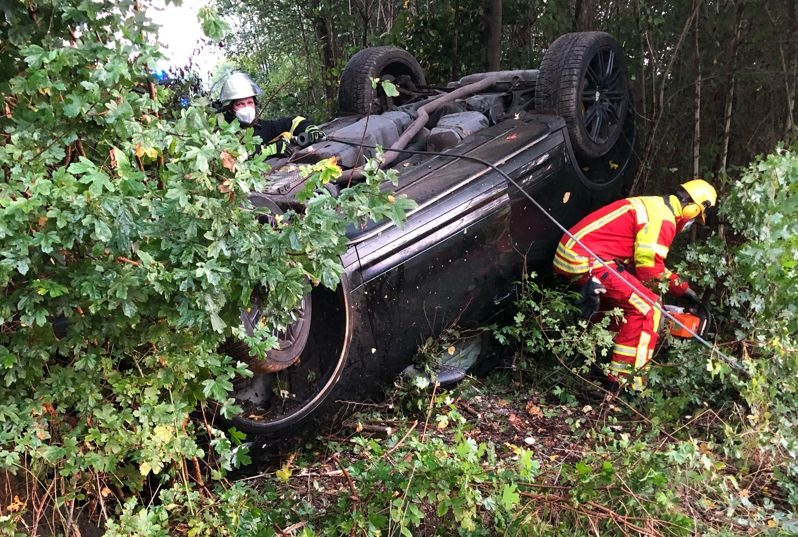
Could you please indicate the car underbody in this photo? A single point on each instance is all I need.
(480, 158)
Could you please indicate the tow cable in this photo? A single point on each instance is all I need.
(731, 362)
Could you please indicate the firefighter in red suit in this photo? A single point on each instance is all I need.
(633, 236)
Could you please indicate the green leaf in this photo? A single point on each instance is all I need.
(510, 497)
(213, 25)
(389, 88)
(73, 106)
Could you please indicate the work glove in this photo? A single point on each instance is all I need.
(691, 297)
(590, 299)
(311, 135)
(279, 148)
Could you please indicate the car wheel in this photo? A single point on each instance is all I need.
(583, 78)
(356, 95)
(290, 389)
(288, 403)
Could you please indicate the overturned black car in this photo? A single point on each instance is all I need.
(563, 134)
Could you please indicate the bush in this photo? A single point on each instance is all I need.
(751, 273)
(128, 250)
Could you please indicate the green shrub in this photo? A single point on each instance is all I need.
(128, 249)
(751, 274)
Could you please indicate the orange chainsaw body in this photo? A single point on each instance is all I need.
(695, 324)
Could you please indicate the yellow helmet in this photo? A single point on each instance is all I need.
(703, 195)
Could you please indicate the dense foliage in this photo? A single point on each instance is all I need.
(128, 249)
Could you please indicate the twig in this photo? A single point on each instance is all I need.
(470, 410)
(101, 498)
(401, 440)
(336, 457)
(429, 411)
(370, 428)
(289, 530)
(122, 259)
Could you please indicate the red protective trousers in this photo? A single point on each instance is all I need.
(638, 331)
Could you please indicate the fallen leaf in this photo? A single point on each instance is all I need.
(105, 492)
(15, 505)
(516, 422)
(228, 161)
(284, 473)
(532, 409)
(451, 350)
(225, 188)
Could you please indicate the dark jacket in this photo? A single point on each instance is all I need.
(269, 131)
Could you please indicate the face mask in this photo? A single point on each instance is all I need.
(246, 115)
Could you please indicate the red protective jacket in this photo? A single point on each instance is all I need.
(637, 232)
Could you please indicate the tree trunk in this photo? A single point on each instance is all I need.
(584, 15)
(658, 104)
(791, 67)
(642, 85)
(732, 82)
(322, 27)
(454, 64)
(697, 104)
(788, 64)
(494, 35)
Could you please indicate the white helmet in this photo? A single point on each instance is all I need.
(236, 86)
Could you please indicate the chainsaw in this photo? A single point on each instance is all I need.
(696, 321)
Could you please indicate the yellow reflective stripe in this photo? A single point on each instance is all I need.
(620, 368)
(642, 350)
(597, 224)
(657, 319)
(624, 350)
(295, 123)
(570, 254)
(637, 384)
(570, 268)
(639, 304)
(641, 211)
(286, 135)
(660, 249)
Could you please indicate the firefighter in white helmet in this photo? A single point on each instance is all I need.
(238, 97)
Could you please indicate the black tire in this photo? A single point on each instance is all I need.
(583, 78)
(290, 403)
(355, 94)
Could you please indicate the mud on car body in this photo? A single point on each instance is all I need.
(563, 133)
